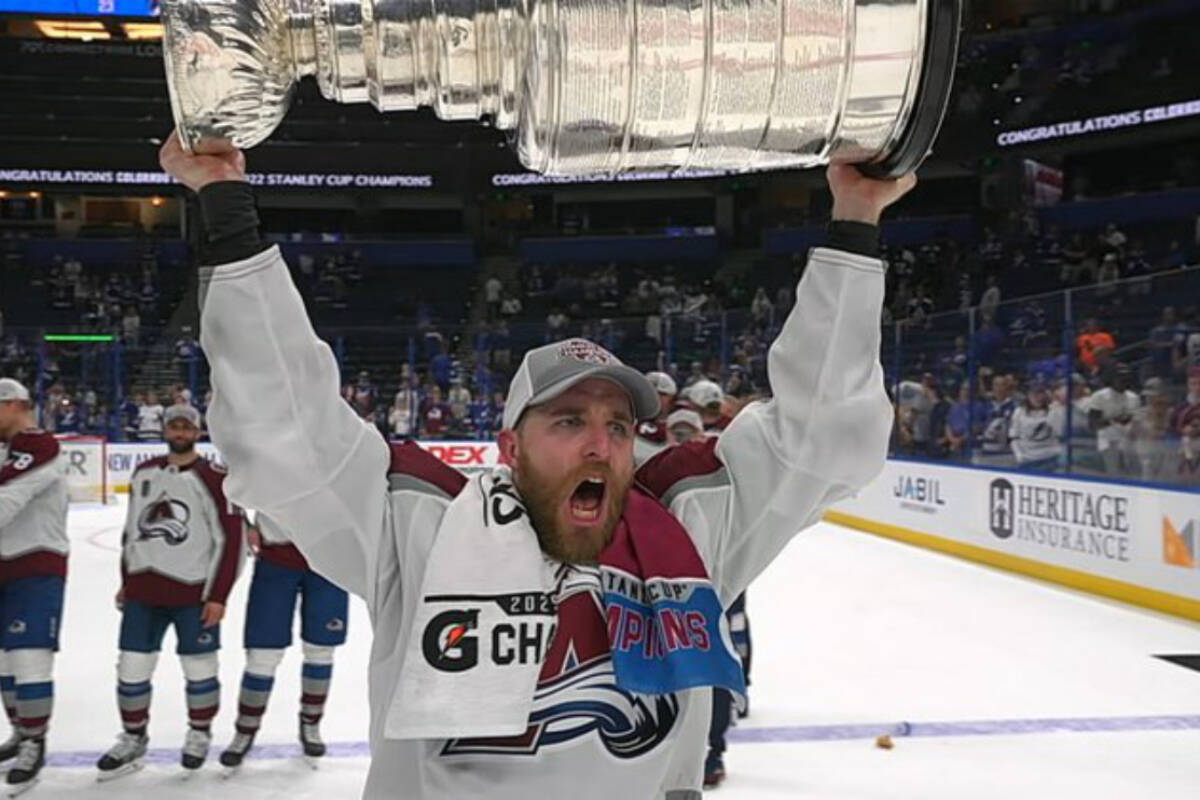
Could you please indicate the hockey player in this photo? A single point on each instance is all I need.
(33, 571)
(652, 433)
(548, 627)
(182, 549)
(707, 400)
(280, 574)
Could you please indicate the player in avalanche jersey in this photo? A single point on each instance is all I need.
(551, 627)
(652, 433)
(181, 552)
(33, 571)
(280, 574)
(707, 400)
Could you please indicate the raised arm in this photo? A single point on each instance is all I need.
(294, 449)
(824, 434)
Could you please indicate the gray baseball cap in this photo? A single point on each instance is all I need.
(12, 389)
(180, 411)
(549, 370)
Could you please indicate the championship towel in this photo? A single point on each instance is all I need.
(488, 588)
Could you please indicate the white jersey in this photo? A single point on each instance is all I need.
(1113, 405)
(366, 517)
(33, 501)
(150, 421)
(1036, 435)
(182, 540)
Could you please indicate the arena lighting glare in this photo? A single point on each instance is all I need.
(73, 29)
(142, 31)
(79, 337)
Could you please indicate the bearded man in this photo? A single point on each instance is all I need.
(551, 628)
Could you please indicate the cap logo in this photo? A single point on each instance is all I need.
(583, 350)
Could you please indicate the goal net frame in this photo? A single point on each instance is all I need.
(85, 462)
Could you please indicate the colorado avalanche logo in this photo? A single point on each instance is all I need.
(583, 350)
(166, 518)
(577, 693)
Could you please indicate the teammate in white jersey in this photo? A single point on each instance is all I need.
(523, 617)
(182, 548)
(280, 576)
(33, 571)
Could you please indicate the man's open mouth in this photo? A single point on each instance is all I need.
(587, 501)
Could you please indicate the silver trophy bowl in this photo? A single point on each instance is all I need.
(588, 86)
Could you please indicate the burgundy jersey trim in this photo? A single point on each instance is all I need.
(27, 451)
(409, 458)
(688, 460)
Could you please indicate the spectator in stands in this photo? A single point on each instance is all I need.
(435, 415)
(510, 306)
(1114, 238)
(556, 325)
(1036, 434)
(364, 396)
(1149, 435)
(131, 326)
(1091, 339)
(994, 446)
(917, 398)
(1187, 471)
(402, 416)
(492, 291)
(1110, 413)
(150, 419)
(739, 384)
(1189, 409)
(920, 306)
(66, 416)
(761, 308)
(989, 303)
(458, 399)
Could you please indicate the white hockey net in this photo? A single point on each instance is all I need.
(86, 463)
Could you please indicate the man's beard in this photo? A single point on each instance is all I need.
(545, 496)
(180, 448)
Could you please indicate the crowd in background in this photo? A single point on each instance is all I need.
(981, 375)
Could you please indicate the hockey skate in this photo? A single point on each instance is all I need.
(124, 757)
(235, 754)
(714, 771)
(195, 748)
(10, 748)
(23, 774)
(310, 739)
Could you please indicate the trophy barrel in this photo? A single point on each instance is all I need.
(735, 84)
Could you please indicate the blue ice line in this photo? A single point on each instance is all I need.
(743, 735)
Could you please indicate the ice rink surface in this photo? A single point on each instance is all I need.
(1008, 688)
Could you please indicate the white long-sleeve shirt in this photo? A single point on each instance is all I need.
(365, 517)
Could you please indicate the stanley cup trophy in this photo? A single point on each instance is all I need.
(588, 86)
